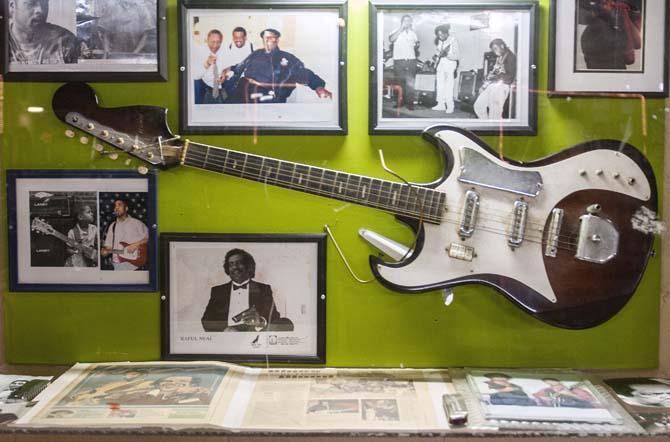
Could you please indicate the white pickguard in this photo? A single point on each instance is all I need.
(493, 255)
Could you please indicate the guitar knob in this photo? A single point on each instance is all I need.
(90, 126)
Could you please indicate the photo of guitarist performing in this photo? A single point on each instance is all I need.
(52, 214)
(126, 236)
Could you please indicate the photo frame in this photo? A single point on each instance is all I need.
(80, 231)
(84, 40)
(597, 56)
(277, 311)
(469, 64)
(263, 66)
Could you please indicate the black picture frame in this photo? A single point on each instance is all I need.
(289, 269)
(102, 46)
(43, 207)
(645, 72)
(390, 115)
(305, 112)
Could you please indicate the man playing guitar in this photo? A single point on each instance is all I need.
(126, 239)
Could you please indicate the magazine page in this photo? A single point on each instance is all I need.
(340, 399)
(646, 399)
(133, 394)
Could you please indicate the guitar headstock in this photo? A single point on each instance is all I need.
(41, 226)
(139, 131)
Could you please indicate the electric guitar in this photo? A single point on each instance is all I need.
(566, 238)
(138, 258)
(87, 256)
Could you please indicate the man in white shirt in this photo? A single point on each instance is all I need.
(405, 43)
(234, 53)
(239, 49)
(208, 65)
(446, 57)
(83, 249)
(126, 239)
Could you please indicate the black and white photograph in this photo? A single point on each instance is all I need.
(244, 297)
(85, 40)
(64, 229)
(263, 67)
(380, 410)
(469, 65)
(608, 46)
(555, 396)
(69, 229)
(642, 392)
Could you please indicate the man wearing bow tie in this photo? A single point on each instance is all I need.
(230, 304)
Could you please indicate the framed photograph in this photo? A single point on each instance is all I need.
(603, 46)
(470, 64)
(76, 230)
(540, 396)
(263, 66)
(84, 40)
(244, 297)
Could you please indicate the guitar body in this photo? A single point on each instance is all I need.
(562, 290)
(566, 238)
(138, 258)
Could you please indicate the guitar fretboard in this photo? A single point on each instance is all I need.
(398, 198)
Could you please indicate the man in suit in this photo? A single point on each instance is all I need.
(242, 304)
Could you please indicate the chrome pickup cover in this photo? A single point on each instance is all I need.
(518, 228)
(598, 240)
(478, 170)
(469, 215)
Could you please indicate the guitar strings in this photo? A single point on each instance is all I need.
(527, 236)
(566, 245)
(252, 170)
(431, 208)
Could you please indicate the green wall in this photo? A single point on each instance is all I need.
(367, 325)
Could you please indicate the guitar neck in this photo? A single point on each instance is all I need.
(61, 237)
(398, 198)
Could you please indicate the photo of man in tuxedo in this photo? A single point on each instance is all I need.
(242, 304)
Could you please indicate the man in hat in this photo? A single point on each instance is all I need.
(270, 75)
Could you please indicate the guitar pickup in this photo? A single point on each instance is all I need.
(518, 229)
(469, 216)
